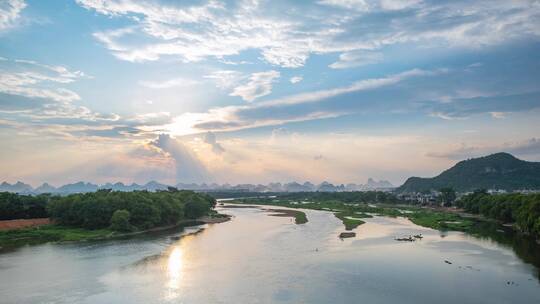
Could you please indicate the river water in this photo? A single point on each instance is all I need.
(257, 258)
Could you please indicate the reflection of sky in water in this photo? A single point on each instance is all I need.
(256, 258)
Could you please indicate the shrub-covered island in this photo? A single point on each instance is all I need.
(101, 214)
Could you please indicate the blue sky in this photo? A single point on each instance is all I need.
(260, 91)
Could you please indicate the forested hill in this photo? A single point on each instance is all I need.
(496, 171)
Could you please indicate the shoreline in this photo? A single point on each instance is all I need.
(183, 223)
(16, 238)
(434, 218)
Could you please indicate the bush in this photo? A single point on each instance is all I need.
(120, 221)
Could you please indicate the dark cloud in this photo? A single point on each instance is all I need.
(189, 168)
(210, 138)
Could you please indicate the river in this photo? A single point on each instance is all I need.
(257, 258)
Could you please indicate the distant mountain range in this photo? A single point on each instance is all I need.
(81, 187)
(500, 171)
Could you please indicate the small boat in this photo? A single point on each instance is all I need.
(405, 239)
(418, 236)
(347, 235)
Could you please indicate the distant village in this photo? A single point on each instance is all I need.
(433, 197)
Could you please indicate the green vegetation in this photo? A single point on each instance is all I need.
(15, 206)
(49, 233)
(348, 220)
(351, 214)
(120, 221)
(300, 217)
(103, 214)
(496, 171)
(145, 209)
(441, 220)
(521, 209)
(372, 197)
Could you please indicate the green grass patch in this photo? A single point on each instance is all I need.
(440, 220)
(300, 217)
(350, 223)
(350, 214)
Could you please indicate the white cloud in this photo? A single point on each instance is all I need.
(10, 11)
(398, 4)
(361, 85)
(238, 117)
(217, 30)
(371, 5)
(35, 80)
(359, 5)
(296, 79)
(444, 116)
(152, 118)
(76, 114)
(259, 85)
(498, 115)
(170, 83)
(225, 79)
(356, 59)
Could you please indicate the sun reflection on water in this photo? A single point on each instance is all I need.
(175, 265)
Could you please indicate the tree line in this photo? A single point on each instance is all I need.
(125, 211)
(345, 197)
(522, 209)
(15, 206)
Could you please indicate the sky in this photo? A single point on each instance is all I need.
(263, 91)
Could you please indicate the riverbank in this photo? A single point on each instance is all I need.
(351, 214)
(62, 234)
(299, 216)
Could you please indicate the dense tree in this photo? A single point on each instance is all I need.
(194, 210)
(523, 209)
(15, 206)
(95, 210)
(120, 221)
